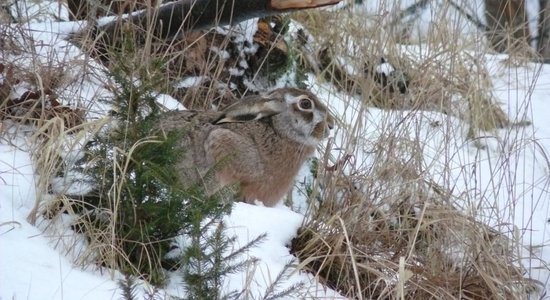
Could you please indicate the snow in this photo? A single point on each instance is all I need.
(512, 171)
(31, 268)
(419, 24)
(249, 221)
(510, 175)
(169, 102)
(37, 270)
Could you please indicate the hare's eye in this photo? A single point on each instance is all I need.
(305, 103)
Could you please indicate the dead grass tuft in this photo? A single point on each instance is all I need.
(390, 232)
(425, 250)
(383, 229)
(445, 74)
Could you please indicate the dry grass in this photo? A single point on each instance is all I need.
(384, 229)
(195, 55)
(46, 91)
(447, 72)
(31, 78)
(390, 232)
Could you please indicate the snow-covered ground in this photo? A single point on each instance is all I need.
(511, 174)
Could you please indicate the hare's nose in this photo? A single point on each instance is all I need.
(330, 122)
(328, 127)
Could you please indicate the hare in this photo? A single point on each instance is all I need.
(257, 144)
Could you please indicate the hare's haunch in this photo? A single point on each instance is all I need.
(258, 143)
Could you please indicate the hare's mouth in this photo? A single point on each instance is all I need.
(320, 131)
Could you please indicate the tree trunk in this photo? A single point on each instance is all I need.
(507, 23)
(543, 45)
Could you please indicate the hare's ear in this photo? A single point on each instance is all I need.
(251, 109)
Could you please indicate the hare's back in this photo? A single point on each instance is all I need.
(193, 128)
(177, 120)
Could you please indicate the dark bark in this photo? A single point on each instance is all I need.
(92, 9)
(193, 15)
(173, 19)
(543, 45)
(77, 9)
(507, 24)
(185, 15)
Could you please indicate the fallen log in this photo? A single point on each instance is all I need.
(173, 19)
(187, 15)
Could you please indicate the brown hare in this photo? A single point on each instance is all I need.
(257, 144)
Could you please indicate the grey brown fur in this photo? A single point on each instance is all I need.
(258, 143)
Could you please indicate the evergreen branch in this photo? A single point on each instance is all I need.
(253, 243)
(128, 286)
(270, 293)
